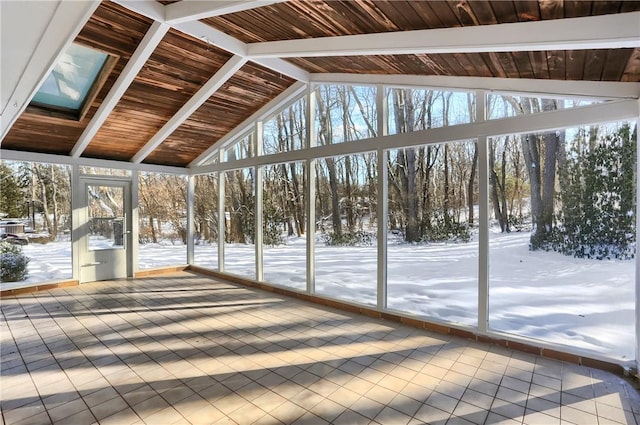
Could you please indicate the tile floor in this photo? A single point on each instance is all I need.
(187, 349)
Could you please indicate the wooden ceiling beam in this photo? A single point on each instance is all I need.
(152, 38)
(593, 32)
(193, 10)
(201, 96)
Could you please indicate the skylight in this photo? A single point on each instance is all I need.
(69, 83)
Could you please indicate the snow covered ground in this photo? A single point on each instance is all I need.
(581, 303)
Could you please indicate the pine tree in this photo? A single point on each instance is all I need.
(12, 202)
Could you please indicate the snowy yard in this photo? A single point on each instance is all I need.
(581, 303)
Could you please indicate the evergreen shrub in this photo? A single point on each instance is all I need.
(597, 219)
(13, 263)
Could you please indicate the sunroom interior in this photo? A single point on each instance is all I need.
(464, 167)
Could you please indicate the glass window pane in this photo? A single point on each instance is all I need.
(106, 217)
(99, 171)
(241, 149)
(510, 105)
(421, 109)
(41, 217)
(71, 79)
(562, 237)
(432, 250)
(162, 212)
(284, 233)
(206, 221)
(239, 248)
(346, 255)
(287, 130)
(345, 113)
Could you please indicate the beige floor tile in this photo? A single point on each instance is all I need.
(288, 412)
(205, 415)
(471, 413)
(367, 407)
(432, 415)
(578, 417)
(109, 408)
(307, 419)
(124, 417)
(68, 409)
(23, 412)
(167, 415)
(532, 417)
(442, 402)
(508, 409)
(267, 401)
(349, 417)
(81, 417)
(150, 406)
(495, 419)
(611, 413)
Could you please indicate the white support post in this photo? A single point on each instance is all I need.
(637, 257)
(76, 193)
(383, 198)
(191, 197)
(135, 221)
(258, 204)
(310, 191)
(222, 217)
(483, 219)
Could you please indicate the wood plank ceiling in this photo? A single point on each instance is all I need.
(297, 19)
(182, 64)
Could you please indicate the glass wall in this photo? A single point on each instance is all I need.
(345, 113)
(562, 237)
(284, 225)
(412, 109)
(561, 207)
(432, 265)
(35, 218)
(241, 149)
(206, 221)
(239, 212)
(162, 212)
(509, 105)
(287, 130)
(346, 237)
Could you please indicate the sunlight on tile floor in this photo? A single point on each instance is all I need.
(188, 349)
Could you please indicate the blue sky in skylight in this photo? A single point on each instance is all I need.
(71, 80)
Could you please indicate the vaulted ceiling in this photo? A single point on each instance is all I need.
(187, 73)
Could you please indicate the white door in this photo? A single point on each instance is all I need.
(105, 230)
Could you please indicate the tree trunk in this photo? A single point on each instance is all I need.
(470, 185)
(531, 155)
(446, 202)
(498, 195)
(45, 205)
(404, 111)
(54, 200)
(349, 207)
(336, 221)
